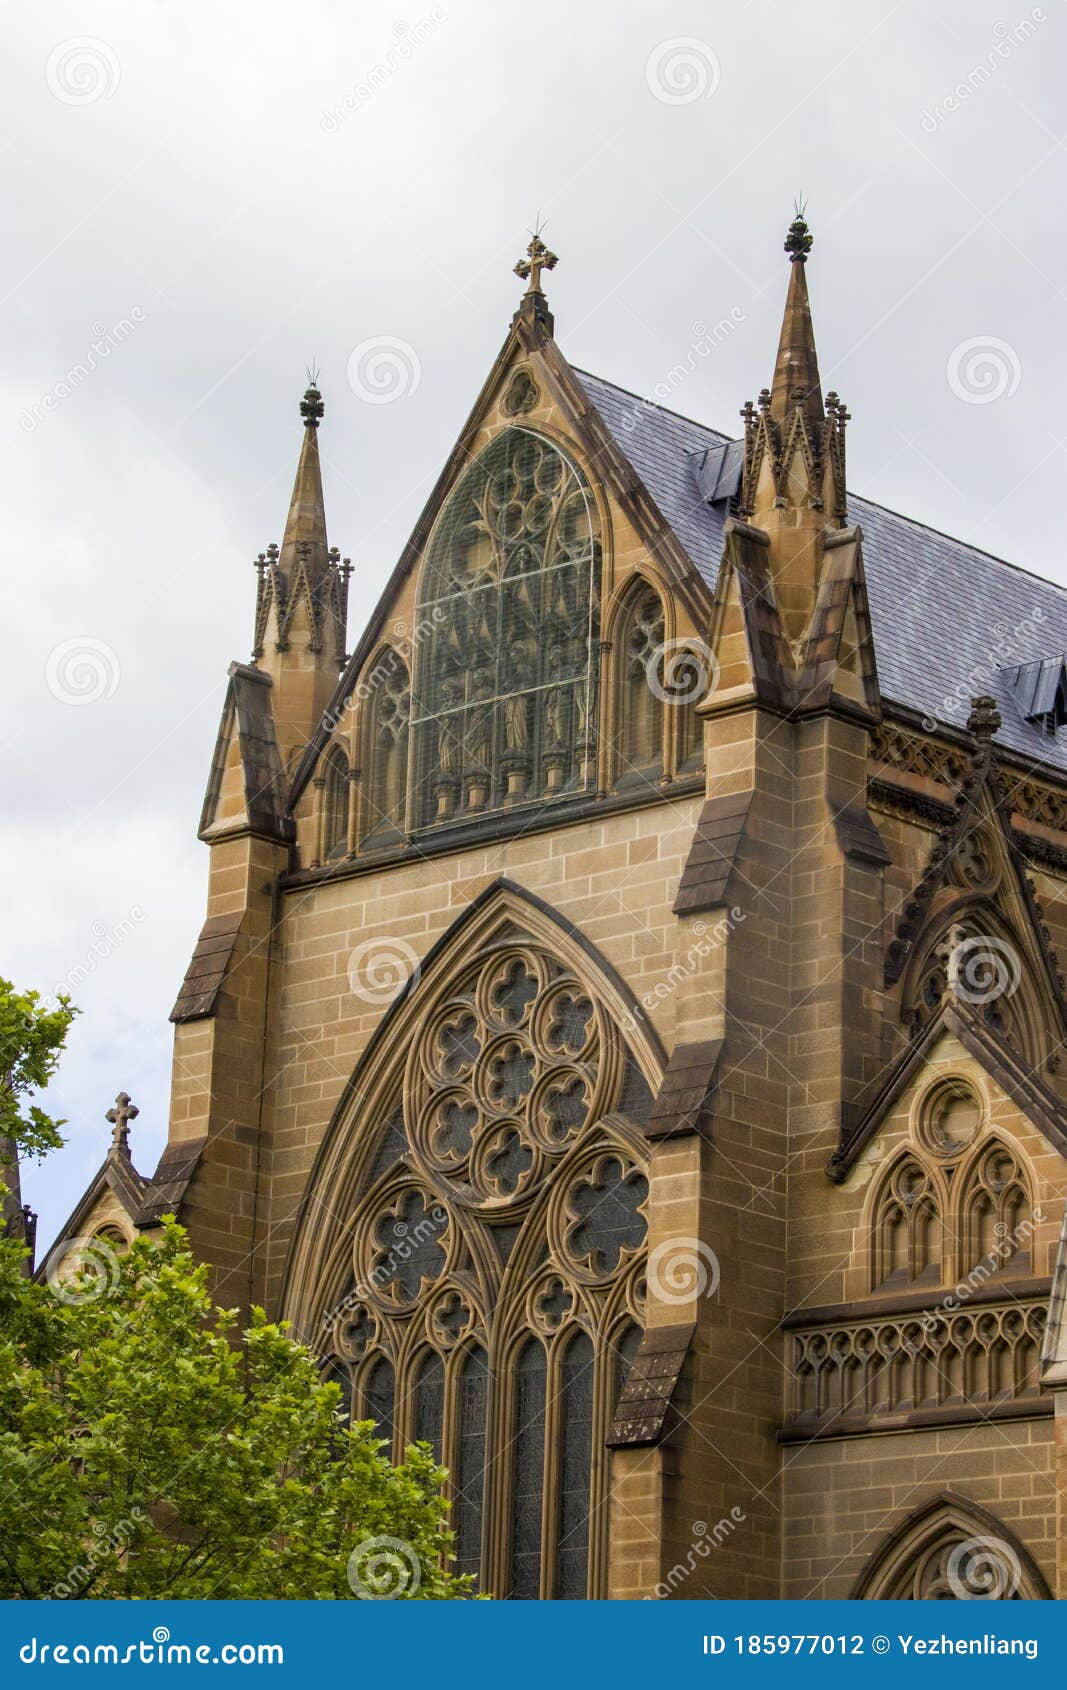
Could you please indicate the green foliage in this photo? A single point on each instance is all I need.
(31, 1038)
(145, 1452)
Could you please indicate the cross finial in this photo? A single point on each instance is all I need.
(120, 1117)
(799, 241)
(537, 258)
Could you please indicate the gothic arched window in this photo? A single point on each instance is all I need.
(639, 659)
(996, 1222)
(951, 1551)
(335, 806)
(497, 1254)
(505, 687)
(385, 757)
(907, 1229)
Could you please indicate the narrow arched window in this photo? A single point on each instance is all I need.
(335, 806)
(996, 1215)
(505, 691)
(907, 1242)
(379, 1399)
(388, 688)
(468, 1505)
(528, 1471)
(429, 1403)
(575, 1461)
(640, 690)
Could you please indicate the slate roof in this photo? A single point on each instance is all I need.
(949, 621)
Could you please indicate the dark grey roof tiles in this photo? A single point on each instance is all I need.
(949, 620)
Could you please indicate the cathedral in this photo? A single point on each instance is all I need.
(625, 1036)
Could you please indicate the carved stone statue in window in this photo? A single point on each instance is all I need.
(504, 679)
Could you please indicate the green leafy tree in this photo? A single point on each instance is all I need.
(31, 1039)
(145, 1452)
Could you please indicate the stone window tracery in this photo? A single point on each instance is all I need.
(386, 750)
(505, 689)
(640, 644)
(335, 806)
(497, 1265)
(907, 1228)
(997, 1222)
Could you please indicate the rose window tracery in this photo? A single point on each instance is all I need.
(497, 1259)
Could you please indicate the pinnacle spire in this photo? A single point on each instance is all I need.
(796, 371)
(306, 522)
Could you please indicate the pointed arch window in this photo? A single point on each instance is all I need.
(997, 1217)
(503, 1323)
(385, 760)
(506, 676)
(907, 1228)
(335, 806)
(640, 690)
(951, 1551)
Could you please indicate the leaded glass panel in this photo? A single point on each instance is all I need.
(576, 1453)
(429, 1412)
(468, 1506)
(505, 687)
(528, 1472)
(379, 1397)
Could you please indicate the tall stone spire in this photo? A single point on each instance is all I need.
(793, 482)
(796, 369)
(302, 599)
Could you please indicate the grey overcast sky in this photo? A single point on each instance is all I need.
(202, 199)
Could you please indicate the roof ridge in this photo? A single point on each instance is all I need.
(889, 510)
(654, 405)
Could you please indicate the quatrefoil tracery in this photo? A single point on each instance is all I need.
(509, 1071)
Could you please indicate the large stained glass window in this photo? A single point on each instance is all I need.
(505, 682)
(482, 1319)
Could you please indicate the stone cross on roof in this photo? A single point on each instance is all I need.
(537, 258)
(120, 1117)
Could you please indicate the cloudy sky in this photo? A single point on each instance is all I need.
(202, 199)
